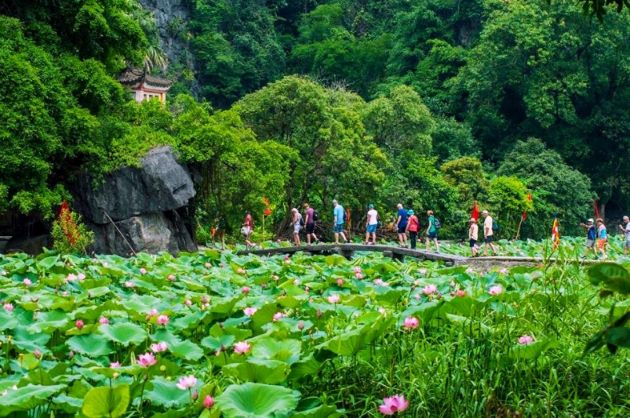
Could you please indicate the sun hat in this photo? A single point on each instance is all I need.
(410, 212)
(590, 220)
(370, 206)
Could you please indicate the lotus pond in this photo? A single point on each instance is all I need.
(214, 334)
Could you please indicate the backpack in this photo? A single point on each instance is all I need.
(315, 216)
(495, 226)
(436, 223)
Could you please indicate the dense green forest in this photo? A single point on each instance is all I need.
(434, 103)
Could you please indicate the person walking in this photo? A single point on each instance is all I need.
(296, 222)
(602, 238)
(309, 224)
(473, 237)
(413, 226)
(488, 233)
(591, 237)
(371, 225)
(432, 232)
(625, 229)
(338, 222)
(247, 229)
(401, 225)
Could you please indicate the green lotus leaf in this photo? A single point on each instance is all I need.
(124, 333)
(186, 350)
(287, 351)
(26, 397)
(92, 345)
(106, 402)
(259, 370)
(257, 400)
(215, 343)
(165, 393)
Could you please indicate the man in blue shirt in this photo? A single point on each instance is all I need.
(401, 225)
(338, 222)
(591, 236)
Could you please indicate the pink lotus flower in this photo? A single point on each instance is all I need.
(188, 302)
(146, 360)
(245, 290)
(417, 296)
(130, 284)
(114, 365)
(300, 325)
(504, 271)
(65, 293)
(378, 282)
(205, 299)
(70, 277)
(307, 289)
(340, 282)
(495, 290)
(79, 324)
(422, 272)
(393, 405)
(358, 276)
(81, 277)
(334, 299)
(8, 307)
(525, 340)
(357, 269)
(382, 311)
(429, 289)
(208, 402)
(103, 320)
(143, 271)
(27, 282)
(162, 320)
(187, 382)
(275, 277)
(37, 353)
(159, 347)
(171, 278)
(152, 312)
(277, 316)
(250, 311)
(207, 265)
(242, 347)
(296, 282)
(411, 322)
(459, 293)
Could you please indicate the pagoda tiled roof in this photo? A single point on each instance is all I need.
(134, 77)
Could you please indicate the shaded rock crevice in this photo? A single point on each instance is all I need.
(143, 208)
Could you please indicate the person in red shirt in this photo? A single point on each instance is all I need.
(413, 226)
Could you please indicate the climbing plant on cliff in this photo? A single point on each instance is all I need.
(70, 235)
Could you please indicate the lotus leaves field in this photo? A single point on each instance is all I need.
(213, 334)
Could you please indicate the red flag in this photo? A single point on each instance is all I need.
(524, 214)
(596, 208)
(475, 212)
(555, 233)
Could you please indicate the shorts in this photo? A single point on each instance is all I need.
(590, 243)
(310, 228)
(601, 243)
(489, 239)
(338, 228)
(297, 228)
(432, 235)
(627, 244)
(371, 228)
(472, 243)
(402, 229)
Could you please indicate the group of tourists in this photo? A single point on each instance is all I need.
(408, 229)
(597, 237)
(407, 226)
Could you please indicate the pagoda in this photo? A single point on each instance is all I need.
(145, 86)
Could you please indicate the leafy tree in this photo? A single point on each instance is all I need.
(558, 189)
(453, 139)
(467, 175)
(507, 197)
(336, 157)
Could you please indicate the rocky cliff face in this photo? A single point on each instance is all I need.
(140, 209)
(171, 19)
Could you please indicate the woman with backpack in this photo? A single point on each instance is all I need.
(311, 217)
(432, 231)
